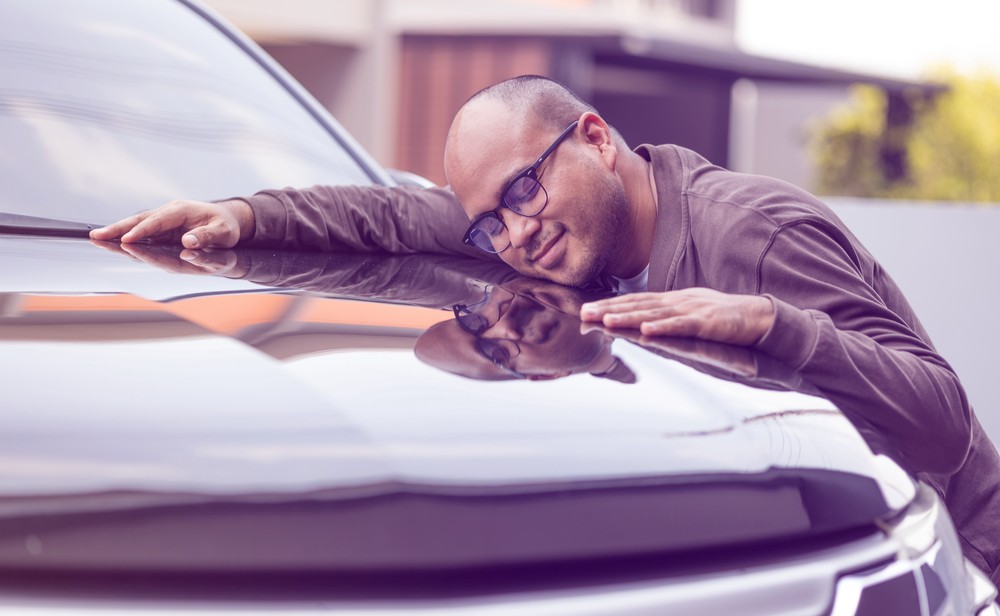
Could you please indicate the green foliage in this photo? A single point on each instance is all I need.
(848, 146)
(952, 148)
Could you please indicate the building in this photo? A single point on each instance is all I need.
(395, 71)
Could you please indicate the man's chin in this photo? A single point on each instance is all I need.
(568, 274)
(570, 277)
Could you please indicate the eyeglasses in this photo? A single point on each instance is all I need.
(474, 319)
(523, 195)
(500, 353)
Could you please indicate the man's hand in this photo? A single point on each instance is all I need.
(196, 224)
(693, 313)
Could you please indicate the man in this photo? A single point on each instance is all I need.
(694, 250)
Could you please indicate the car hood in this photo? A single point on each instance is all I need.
(296, 427)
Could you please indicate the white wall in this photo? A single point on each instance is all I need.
(772, 124)
(946, 258)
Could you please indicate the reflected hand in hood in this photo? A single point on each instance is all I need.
(177, 260)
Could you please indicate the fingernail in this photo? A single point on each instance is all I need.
(588, 309)
(191, 240)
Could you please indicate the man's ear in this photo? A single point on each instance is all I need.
(596, 132)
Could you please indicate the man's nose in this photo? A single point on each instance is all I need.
(522, 229)
(506, 328)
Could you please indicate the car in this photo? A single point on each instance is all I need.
(266, 430)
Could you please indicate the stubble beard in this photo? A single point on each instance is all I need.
(609, 236)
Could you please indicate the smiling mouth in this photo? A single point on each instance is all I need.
(547, 247)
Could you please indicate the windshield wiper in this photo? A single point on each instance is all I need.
(20, 224)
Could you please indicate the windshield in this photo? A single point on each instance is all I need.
(115, 106)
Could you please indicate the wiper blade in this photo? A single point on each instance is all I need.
(20, 224)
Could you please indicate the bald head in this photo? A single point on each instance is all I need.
(525, 103)
(549, 104)
(585, 225)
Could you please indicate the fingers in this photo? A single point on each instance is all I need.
(638, 310)
(145, 225)
(117, 229)
(695, 312)
(199, 237)
(595, 311)
(194, 223)
(214, 234)
(161, 222)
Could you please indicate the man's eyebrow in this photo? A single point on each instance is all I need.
(507, 181)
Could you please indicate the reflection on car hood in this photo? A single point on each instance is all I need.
(149, 404)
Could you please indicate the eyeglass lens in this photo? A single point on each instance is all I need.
(477, 317)
(489, 234)
(521, 195)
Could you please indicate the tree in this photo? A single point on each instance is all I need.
(952, 147)
(847, 145)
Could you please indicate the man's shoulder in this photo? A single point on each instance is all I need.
(711, 191)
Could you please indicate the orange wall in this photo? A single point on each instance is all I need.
(438, 74)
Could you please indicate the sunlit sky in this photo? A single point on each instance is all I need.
(899, 38)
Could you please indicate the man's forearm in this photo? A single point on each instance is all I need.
(360, 219)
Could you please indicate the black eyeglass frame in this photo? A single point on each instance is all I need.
(486, 348)
(531, 172)
(468, 316)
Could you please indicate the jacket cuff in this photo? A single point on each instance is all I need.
(793, 336)
(270, 219)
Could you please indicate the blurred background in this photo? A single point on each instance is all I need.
(889, 109)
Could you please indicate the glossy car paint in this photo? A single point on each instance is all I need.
(281, 419)
(241, 421)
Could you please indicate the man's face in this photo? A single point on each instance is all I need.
(581, 229)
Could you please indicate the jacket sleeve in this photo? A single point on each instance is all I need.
(840, 327)
(398, 220)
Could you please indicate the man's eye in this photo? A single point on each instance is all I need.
(521, 191)
(490, 226)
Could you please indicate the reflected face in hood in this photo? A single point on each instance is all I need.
(526, 328)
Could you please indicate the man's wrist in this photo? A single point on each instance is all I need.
(245, 220)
